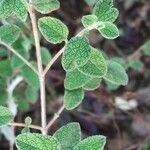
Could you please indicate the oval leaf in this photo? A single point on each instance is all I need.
(68, 136)
(116, 74)
(105, 12)
(75, 80)
(109, 30)
(45, 6)
(5, 116)
(53, 29)
(9, 33)
(96, 65)
(77, 53)
(96, 142)
(34, 141)
(73, 98)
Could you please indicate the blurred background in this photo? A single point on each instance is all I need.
(122, 114)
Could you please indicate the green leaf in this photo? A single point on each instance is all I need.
(5, 116)
(96, 142)
(136, 64)
(30, 76)
(120, 61)
(20, 10)
(75, 80)
(28, 121)
(146, 48)
(5, 68)
(46, 6)
(116, 74)
(17, 62)
(105, 12)
(3, 95)
(88, 20)
(35, 141)
(93, 84)
(96, 65)
(46, 56)
(77, 53)
(109, 30)
(73, 98)
(7, 7)
(53, 30)
(31, 94)
(3, 52)
(68, 136)
(9, 33)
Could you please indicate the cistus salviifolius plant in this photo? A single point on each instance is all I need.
(85, 67)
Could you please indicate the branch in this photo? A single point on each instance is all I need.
(56, 116)
(18, 55)
(53, 60)
(14, 124)
(40, 67)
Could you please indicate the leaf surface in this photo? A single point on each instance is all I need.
(68, 136)
(35, 141)
(96, 142)
(73, 98)
(5, 116)
(53, 30)
(77, 53)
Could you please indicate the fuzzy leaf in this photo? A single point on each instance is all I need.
(9, 33)
(46, 6)
(35, 141)
(73, 98)
(116, 74)
(5, 116)
(20, 10)
(68, 136)
(109, 30)
(53, 30)
(46, 56)
(93, 84)
(77, 53)
(96, 142)
(96, 65)
(30, 77)
(105, 12)
(75, 80)
(7, 7)
(5, 68)
(88, 20)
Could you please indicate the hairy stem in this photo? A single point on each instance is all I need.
(40, 68)
(14, 124)
(18, 55)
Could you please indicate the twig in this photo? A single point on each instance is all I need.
(39, 62)
(14, 124)
(18, 55)
(53, 60)
(56, 116)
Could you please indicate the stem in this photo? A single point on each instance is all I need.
(53, 60)
(14, 124)
(18, 55)
(56, 116)
(40, 67)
